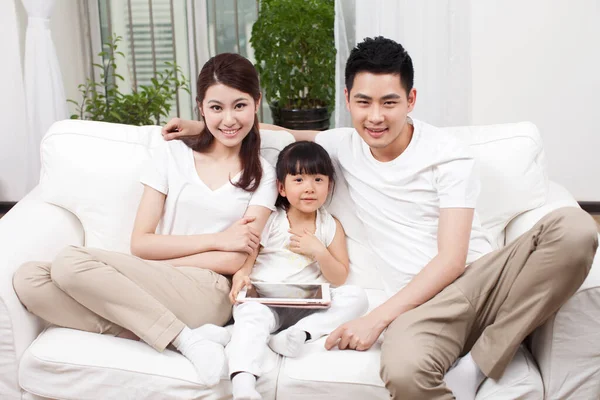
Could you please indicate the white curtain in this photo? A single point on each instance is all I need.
(13, 135)
(436, 34)
(46, 102)
(345, 27)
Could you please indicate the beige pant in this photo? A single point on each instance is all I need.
(101, 291)
(498, 301)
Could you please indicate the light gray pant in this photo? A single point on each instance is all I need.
(254, 322)
(105, 292)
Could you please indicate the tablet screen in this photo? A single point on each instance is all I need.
(285, 291)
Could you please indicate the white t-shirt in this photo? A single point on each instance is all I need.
(191, 207)
(276, 263)
(399, 201)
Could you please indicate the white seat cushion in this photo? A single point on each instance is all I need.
(321, 374)
(69, 364)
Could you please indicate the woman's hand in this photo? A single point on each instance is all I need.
(306, 243)
(240, 236)
(240, 280)
(177, 128)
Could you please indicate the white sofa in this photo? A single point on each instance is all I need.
(88, 195)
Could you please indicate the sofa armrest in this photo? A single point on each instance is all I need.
(567, 347)
(31, 230)
(557, 197)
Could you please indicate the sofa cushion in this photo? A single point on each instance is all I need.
(355, 375)
(92, 169)
(511, 165)
(69, 364)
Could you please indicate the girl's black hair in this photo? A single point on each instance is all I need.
(303, 158)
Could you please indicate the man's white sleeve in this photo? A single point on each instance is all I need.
(457, 182)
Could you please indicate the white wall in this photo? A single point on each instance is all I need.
(539, 60)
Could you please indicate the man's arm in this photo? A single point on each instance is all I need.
(177, 128)
(454, 232)
(299, 135)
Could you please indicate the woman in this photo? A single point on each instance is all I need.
(204, 204)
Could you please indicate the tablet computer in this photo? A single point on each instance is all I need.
(301, 295)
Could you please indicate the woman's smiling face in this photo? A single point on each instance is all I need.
(228, 114)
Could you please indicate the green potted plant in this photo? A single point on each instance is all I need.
(148, 105)
(294, 47)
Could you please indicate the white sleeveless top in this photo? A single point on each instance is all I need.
(276, 263)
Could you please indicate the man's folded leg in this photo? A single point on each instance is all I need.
(422, 344)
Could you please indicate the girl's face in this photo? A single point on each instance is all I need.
(228, 114)
(305, 192)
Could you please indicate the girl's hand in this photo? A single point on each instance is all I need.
(306, 243)
(240, 280)
(239, 237)
(177, 128)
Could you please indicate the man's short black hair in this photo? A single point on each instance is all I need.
(380, 55)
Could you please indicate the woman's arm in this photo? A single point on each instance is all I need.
(333, 260)
(228, 263)
(242, 277)
(145, 243)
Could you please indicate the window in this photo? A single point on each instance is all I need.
(186, 32)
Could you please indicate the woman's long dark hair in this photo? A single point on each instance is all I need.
(303, 157)
(238, 73)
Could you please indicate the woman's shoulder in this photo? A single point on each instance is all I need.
(174, 149)
(266, 164)
(267, 167)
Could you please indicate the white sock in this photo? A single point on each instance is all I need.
(464, 378)
(288, 342)
(204, 347)
(244, 387)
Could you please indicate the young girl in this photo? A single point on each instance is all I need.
(204, 204)
(301, 242)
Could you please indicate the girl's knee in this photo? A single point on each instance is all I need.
(353, 296)
(253, 312)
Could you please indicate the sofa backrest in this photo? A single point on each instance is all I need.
(512, 169)
(92, 169)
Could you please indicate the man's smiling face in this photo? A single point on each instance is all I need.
(379, 106)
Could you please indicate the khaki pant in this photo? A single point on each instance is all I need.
(489, 310)
(105, 292)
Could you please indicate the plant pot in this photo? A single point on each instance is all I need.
(316, 119)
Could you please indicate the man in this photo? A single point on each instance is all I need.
(415, 191)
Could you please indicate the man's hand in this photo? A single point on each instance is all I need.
(177, 128)
(306, 243)
(359, 334)
(240, 280)
(239, 237)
